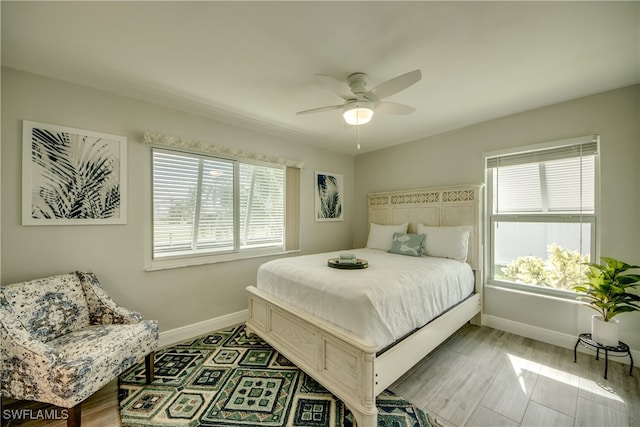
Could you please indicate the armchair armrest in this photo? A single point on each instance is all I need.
(16, 339)
(24, 360)
(102, 309)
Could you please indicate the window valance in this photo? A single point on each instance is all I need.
(158, 139)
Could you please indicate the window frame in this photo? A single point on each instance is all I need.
(546, 217)
(238, 253)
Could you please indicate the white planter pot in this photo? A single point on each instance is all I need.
(605, 333)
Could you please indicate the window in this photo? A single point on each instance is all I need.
(542, 214)
(205, 206)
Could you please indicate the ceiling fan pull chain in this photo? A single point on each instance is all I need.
(357, 134)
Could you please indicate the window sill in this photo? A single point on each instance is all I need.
(552, 294)
(214, 259)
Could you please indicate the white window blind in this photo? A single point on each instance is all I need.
(261, 206)
(206, 205)
(545, 181)
(542, 217)
(214, 216)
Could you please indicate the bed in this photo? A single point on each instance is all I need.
(357, 344)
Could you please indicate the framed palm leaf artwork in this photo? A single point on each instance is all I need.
(329, 197)
(72, 176)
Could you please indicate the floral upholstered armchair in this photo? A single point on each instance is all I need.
(64, 338)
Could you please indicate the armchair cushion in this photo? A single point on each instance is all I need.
(99, 352)
(63, 338)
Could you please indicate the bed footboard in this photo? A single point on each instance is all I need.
(342, 363)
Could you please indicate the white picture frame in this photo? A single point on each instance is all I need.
(329, 196)
(72, 176)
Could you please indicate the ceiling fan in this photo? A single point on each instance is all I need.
(360, 102)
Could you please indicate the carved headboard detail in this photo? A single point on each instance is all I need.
(441, 206)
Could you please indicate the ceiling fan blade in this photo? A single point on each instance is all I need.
(335, 86)
(321, 109)
(386, 107)
(395, 85)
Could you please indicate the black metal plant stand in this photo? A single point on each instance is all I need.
(586, 341)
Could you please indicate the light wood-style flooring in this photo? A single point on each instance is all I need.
(99, 410)
(479, 377)
(485, 377)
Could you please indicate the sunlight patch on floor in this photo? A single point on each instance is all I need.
(520, 364)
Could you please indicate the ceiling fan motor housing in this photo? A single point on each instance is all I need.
(358, 84)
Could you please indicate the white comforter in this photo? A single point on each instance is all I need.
(380, 304)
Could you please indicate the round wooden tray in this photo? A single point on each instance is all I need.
(359, 264)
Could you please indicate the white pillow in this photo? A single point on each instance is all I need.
(446, 242)
(381, 236)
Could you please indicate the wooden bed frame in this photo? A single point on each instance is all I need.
(343, 363)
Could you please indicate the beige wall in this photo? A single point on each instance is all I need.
(116, 253)
(184, 296)
(456, 158)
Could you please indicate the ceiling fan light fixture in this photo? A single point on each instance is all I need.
(357, 113)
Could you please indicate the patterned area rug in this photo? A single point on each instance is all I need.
(229, 379)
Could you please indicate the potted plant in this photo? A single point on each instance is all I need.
(605, 290)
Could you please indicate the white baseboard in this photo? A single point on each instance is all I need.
(548, 336)
(545, 335)
(184, 333)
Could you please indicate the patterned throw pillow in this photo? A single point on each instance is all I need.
(407, 244)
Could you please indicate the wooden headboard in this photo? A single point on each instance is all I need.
(455, 205)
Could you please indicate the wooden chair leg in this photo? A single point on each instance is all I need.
(75, 414)
(149, 367)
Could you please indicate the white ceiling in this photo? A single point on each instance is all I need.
(253, 63)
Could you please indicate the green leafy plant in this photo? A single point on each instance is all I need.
(567, 267)
(526, 269)
(606, 286)
(563, 269)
